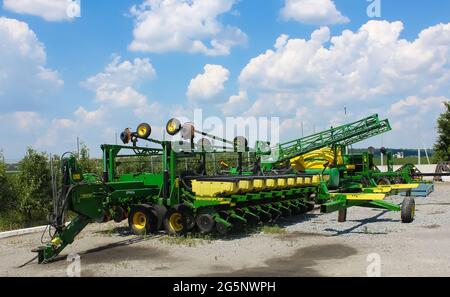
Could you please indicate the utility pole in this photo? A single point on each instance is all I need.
(78, 147)
(53, 178)
(346, 121)
(426, 154)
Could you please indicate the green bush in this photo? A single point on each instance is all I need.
(34, 186)
(442, 146)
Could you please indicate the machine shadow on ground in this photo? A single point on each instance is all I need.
(300, 263)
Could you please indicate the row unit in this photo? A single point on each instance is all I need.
(212, 187)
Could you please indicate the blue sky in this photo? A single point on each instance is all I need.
(79, 96)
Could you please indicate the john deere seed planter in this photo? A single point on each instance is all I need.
(180, 198)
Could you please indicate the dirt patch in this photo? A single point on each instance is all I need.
(301, 263)
(299, 235)
(437, 212)
(434, 226)
(123, 253)
(115, 253)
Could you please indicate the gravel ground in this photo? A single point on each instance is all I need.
(309, 245)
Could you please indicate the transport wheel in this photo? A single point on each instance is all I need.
(119, 214)
(173, 223)
(188, 217)
(383, 182)
(408, 210)
(205, 223)
(173, 126)
(144, 130)
(141, 220)
(240, 144)
(160, 212)
(178, 220)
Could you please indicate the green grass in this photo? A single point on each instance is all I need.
(9, 221)
(190, 239)
(275, 229)
(12, 220)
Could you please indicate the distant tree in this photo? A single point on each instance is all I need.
(34, 192)
(85, 162)
(442, 146)
(6, 189)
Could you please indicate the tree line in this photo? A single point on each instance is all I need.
(26, 196)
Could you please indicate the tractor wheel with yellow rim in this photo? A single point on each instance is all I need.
(142, 220)
(179, 220)
(144, 130)
(173, 126)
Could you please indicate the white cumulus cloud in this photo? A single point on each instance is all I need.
(208, 84)
(414, 120)
(368, 71)
(317, 12)
(50, 10)
(25, 81)
(118, 104)
(370, 63)
(117, 84)
(184, 26)
(236, 104)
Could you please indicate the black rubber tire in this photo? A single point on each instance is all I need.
(342, 215)
(148, 130)
(383, 181)
(365, 182)
(166, 223)
(160, 212)
(151, 220)
(205, 223)
(119, 214)
(240, 144)
(188, 217)
(408, 210)
(177, 124)
(186, 220)
(204, 145)
(222, 229)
